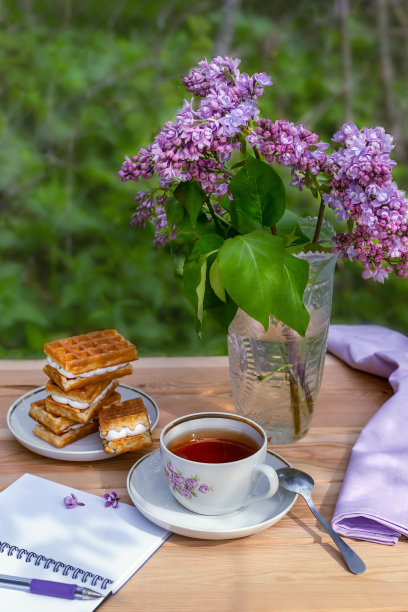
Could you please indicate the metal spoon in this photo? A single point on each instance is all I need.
(300, 482)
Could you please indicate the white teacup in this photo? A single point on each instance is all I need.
(236, 444)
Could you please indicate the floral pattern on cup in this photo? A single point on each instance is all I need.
(187, 487)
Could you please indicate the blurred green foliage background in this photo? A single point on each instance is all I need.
(86, 83)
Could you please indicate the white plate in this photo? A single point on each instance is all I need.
(151, 495)
(88, 449)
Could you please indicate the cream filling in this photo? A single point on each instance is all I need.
(61, 370)
(79, 405)
(75, 426)
(69, 402)
(125, 432)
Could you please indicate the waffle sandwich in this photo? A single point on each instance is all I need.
(87, 359)
(60, 430)
(54, 423)
(125, 427)
(82, 404)
(56, 430)
(72, 434)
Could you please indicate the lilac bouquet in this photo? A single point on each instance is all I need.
(217, 190)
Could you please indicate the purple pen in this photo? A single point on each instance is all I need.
(48, 587)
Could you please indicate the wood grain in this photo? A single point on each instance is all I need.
(293, 565)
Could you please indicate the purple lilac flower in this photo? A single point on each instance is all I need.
(162, 234)
(145, 209)
(291, 145)
(141, 165)
(223, 72)
(201, 80)
(151, 208)
(196, 145)
(112, 499)
(362, 190)
(71, 501)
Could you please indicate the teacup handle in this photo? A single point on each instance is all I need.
(273, 480)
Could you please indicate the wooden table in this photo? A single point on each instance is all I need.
(293, 565)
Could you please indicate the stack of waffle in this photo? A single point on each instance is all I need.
(125, 427)
(83, 372)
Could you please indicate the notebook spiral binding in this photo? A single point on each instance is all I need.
(58, 566)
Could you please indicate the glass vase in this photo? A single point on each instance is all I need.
(276, 375)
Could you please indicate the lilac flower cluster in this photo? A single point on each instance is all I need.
(202, 80)
(151, 207)
(290, 145)
(145, 209)
(196, 145)
(141, 165)
(221, 79)
(162, 234)
(362, 191)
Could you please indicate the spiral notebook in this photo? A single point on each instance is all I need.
(87, 545)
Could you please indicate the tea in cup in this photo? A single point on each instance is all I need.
(213, 460)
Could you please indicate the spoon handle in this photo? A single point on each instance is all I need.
(354, 563)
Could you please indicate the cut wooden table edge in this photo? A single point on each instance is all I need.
(142, 363)
(318, 431)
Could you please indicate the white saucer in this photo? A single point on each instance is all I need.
(151, 495)
(87, 449)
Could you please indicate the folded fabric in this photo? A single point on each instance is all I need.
(373, 501)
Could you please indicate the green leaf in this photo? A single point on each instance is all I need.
(174, 211)
(307, 227)
(238, 164)
(201, 228)
(200, 290)
(251, 271)
(195, 273)
(194, 286)
(287, 303)
(258, 193)
(223, 313)
(306, 247)
(225, 202)
(287, 224)
(216, 281)
(242, 223)
(190, 195)
(208, 243)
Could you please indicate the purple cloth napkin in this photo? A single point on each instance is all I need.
(373, 501)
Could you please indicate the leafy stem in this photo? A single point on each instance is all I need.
(319, 222)
(214, 216)
(218, 220)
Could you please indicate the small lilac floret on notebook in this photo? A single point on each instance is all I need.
(112, 499)
(71, 501)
